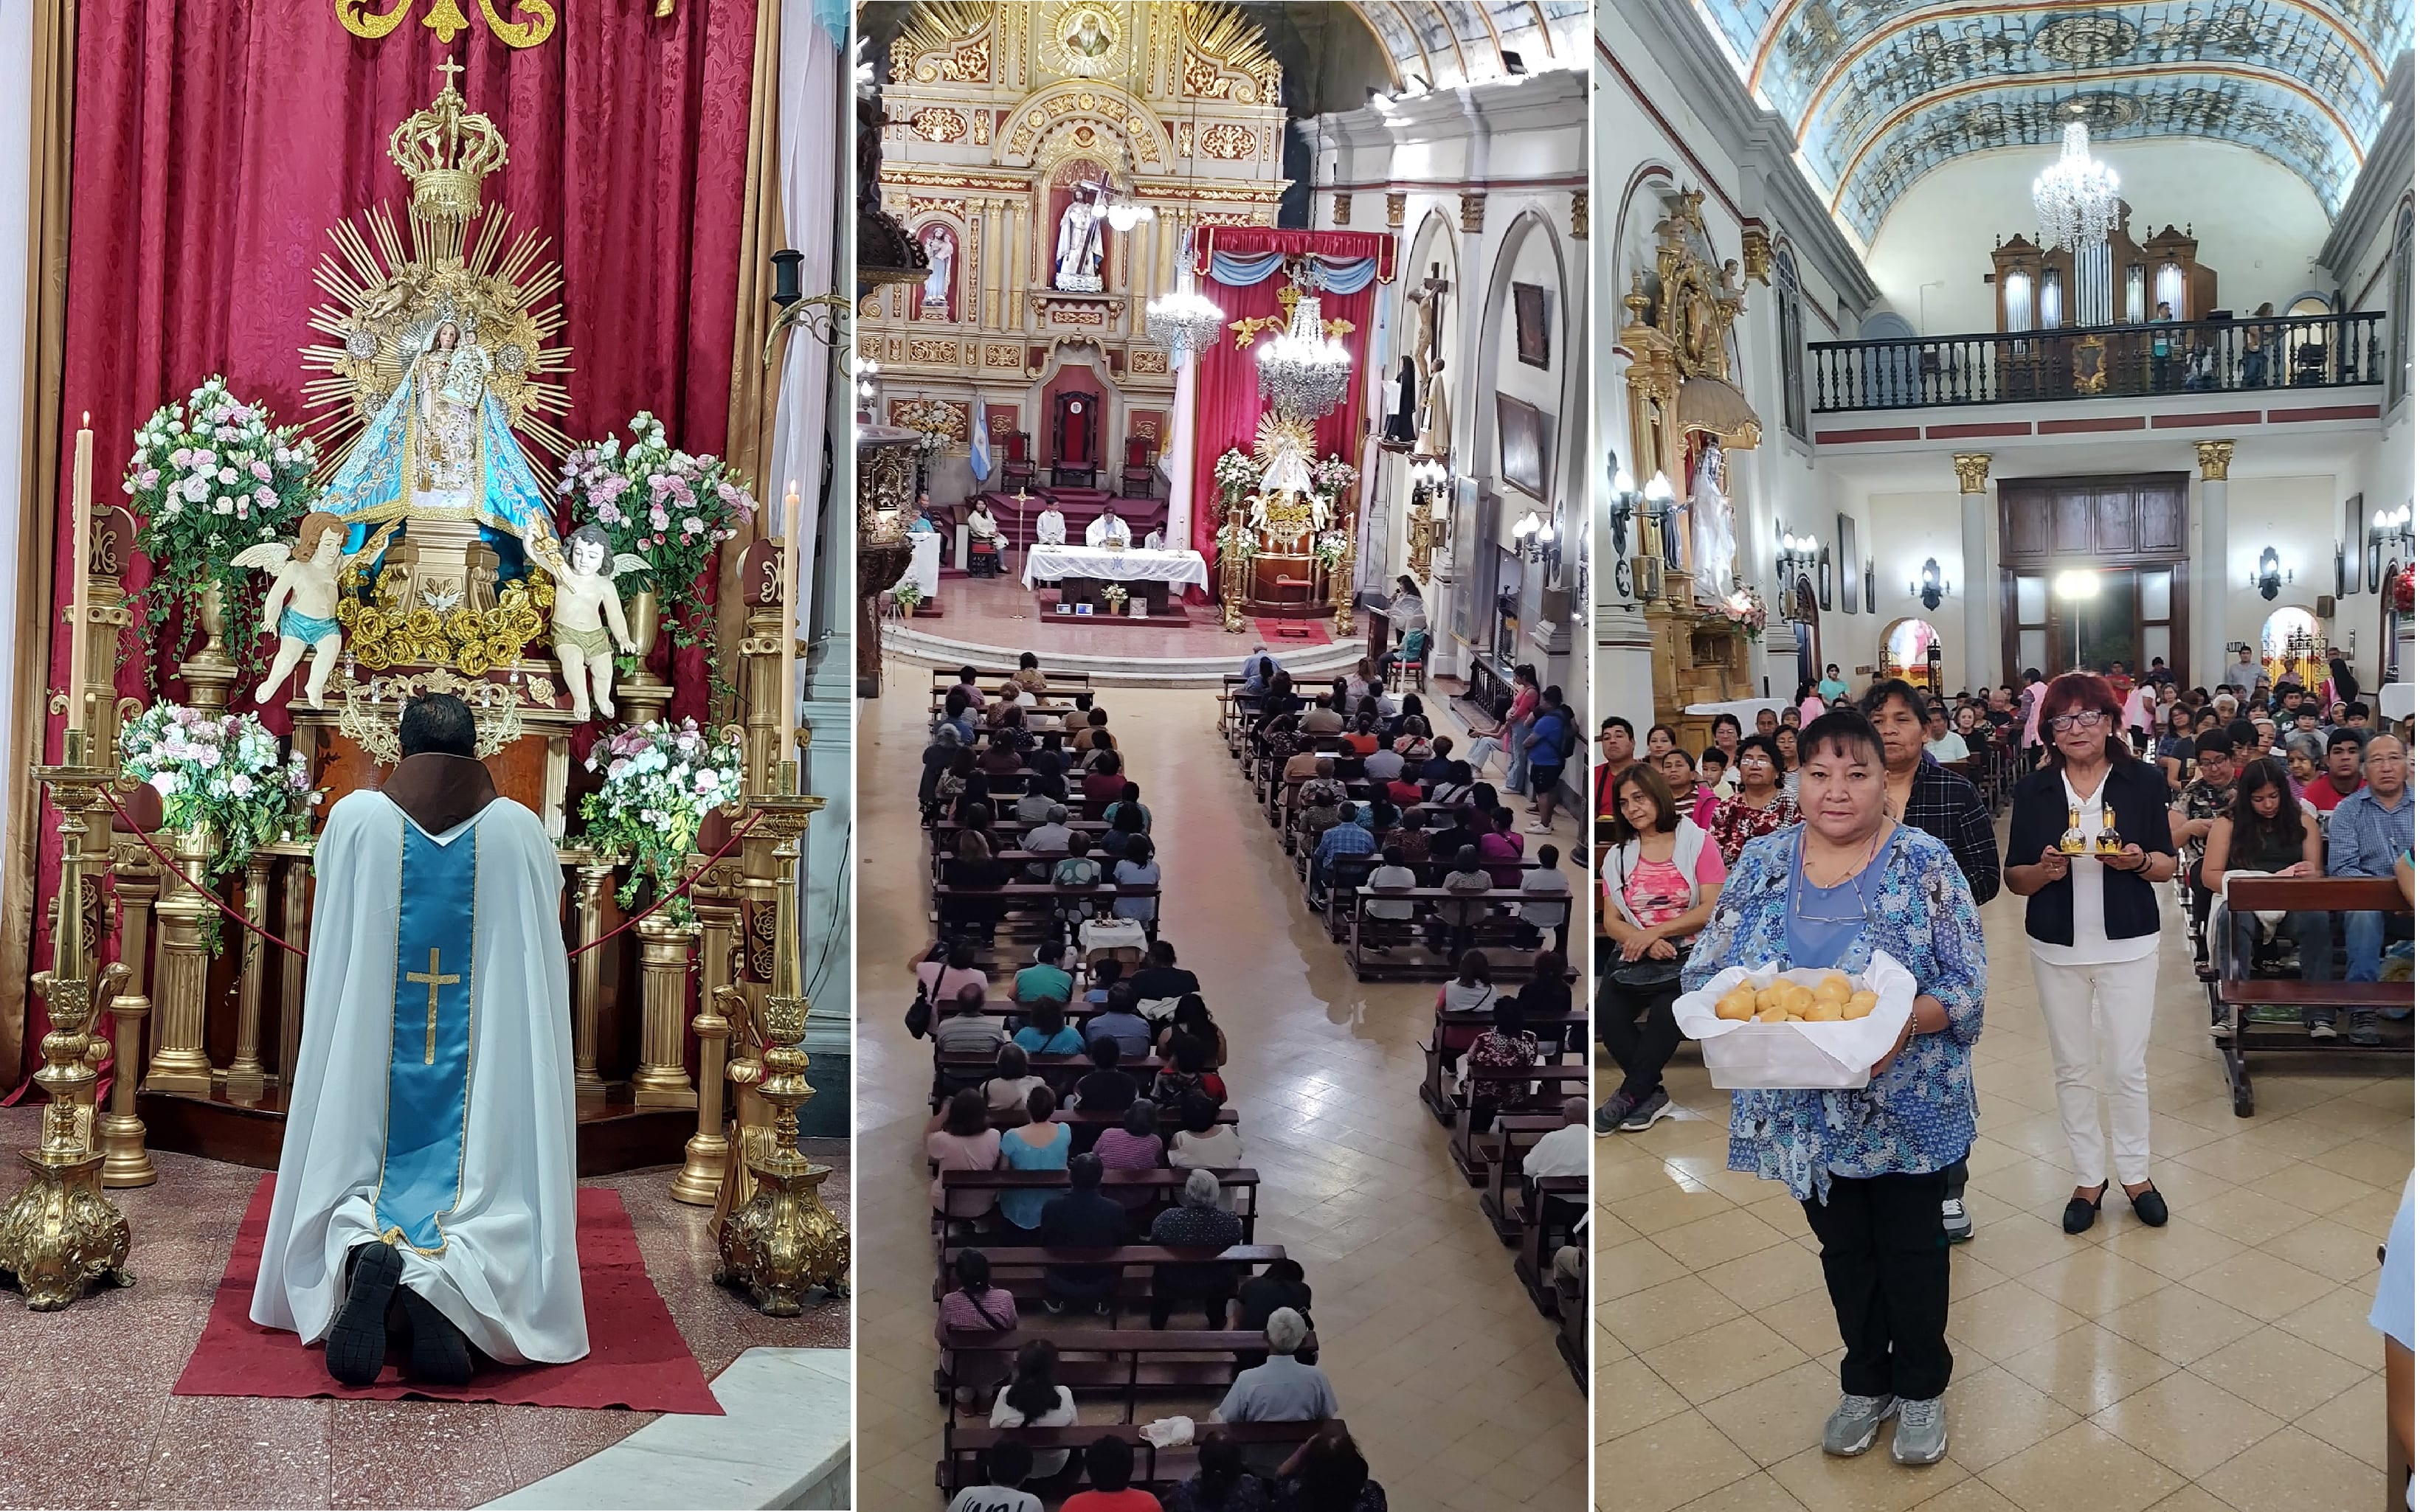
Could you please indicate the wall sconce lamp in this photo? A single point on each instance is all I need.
(1932, 587)
(2387, 529)
(1795, 558)
(2270, 577)
(1534, 539)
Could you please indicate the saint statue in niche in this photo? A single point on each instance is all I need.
(1711, 540)
(940, 250)
(1079, 252)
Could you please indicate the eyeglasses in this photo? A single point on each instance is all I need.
(2081, 720)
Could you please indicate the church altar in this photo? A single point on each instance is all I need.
(1132, 564)
(426, 557)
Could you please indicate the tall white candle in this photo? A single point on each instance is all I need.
(82, 508)
(790, 567)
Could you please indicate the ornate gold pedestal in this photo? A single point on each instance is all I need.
(783, 1241)
(125, 1161)
(661, 1081)
(60, 1233)
(178, 1061)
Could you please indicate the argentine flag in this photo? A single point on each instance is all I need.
(979, 453)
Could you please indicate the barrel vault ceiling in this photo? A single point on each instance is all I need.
(1878, 93)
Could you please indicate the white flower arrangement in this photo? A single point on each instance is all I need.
(660, 782)
(224, 772)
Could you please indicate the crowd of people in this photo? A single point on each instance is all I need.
(1012, 781)
(1839, 830)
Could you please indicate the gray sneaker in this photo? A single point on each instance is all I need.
(1642, 1117)
(1851, 1428)
(1610, 1113)
(2364, 1027)
(1955, 1222)
(1923, 1435)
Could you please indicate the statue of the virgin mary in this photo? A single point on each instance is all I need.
(441, 446)
(1711, 542)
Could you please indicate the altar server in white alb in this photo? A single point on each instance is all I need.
(427, 1179)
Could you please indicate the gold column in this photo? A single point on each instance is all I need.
(717, 896)
(1339, 581)
(247, 1079)
(1230, 572)
(587, 1085)
(178, 1061)
(125, 1162)
(783, 1241)
(61, 1234)
(661, 1081)
(289, 971)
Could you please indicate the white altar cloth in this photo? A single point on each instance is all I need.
(1049, 564)
(924, 563)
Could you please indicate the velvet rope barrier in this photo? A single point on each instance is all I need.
(164, 859)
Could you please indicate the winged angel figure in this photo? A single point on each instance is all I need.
(301, 600)
(585, 602)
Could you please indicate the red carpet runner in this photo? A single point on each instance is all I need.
(636, 1358)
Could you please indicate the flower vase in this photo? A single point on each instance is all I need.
(209, 672)
(642, 695)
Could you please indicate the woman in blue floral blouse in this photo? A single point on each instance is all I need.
(1866, 1165)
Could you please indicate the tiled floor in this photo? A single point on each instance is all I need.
(1448, 1375)
(90, 1387)
(2222, 1362)
(1000, 611)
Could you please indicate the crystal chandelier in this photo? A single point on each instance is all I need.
(1306, 371)
(2077, 198)
(1183, 321)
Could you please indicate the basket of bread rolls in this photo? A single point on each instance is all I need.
(1784, 1029)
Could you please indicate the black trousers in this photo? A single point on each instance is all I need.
(1637, 1031)
(1886, 1264)
(1953, 1178)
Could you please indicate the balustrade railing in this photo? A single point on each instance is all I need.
(2253, 354)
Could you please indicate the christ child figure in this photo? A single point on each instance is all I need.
(301, 600)
(585, 602)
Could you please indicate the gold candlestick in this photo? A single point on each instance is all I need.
(61, 1234)
(783, 1241)
(1232, 567)
(125, 1160)
(1340, 584)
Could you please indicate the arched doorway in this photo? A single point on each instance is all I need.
(2291, 644)
(1907, 650)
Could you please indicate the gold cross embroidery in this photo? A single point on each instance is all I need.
(433, 980)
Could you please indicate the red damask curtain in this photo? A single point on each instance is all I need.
(1227, 403)
(217, 141)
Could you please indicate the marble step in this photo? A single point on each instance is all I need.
(784, 1442)
(914, 643)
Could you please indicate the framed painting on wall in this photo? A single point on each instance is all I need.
(2352, 548)
(1847, 562)
(1530, 324)
(1521, 441)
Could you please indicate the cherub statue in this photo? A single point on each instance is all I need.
(301, 600)
(585, 602)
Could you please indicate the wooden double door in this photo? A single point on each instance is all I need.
(2093, 570)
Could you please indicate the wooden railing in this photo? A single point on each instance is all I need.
(2251, 355)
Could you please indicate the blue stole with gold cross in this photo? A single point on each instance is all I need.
(429, 1061)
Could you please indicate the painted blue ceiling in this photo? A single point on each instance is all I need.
(1879, 92)
(1449, 42)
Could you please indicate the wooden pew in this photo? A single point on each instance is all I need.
(1469, 1146)
(1499, 930)
(1165, 1182)
(1544, 1229)
(1556, 1038)
(1572, 1321)
(1018, 1267)
(1155, 1468)
(1060, 1072)
(1096, 1363)
(2232, 996)
(1517, 1134)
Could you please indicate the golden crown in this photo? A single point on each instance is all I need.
(444, 150)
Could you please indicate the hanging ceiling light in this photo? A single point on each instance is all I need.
(1183, 321)
(1306, 371)
(2077, 198)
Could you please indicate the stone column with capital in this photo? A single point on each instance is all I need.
(1973, 522)
(2211, 578)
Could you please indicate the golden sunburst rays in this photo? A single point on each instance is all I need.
(378, 292)
(944, 27)
(1224, 35)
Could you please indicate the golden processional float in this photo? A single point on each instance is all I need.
(441, 381)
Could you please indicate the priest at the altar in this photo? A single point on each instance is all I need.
(428, 1179)
(1108, 529)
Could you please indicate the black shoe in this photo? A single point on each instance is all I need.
(2151, 1206)
(440, 1356)
(357, 1340)
(2080, 1215)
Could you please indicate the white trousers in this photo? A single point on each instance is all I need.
(2098, 1018)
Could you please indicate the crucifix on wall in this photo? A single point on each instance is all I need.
(1428, 362)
